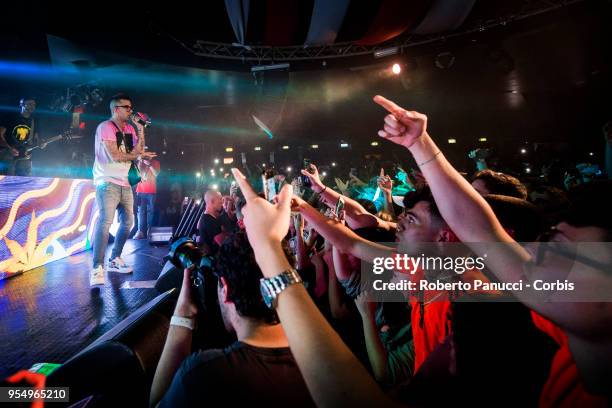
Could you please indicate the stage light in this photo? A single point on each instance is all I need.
(198, 174)
(221, 169)
(315, 146)
(212, 171)
(333, 164)
(396, 69)
(215, 186)
(289, 169)
(285, 147)
(257, 148)
(386, 52)
(263, 164)
(258, 68)
(374, 144)
(523, 151)
(229, 149)
(482, 139)
(344, 145)
(452, 141)
(182, 152)
(216, 161)
(324, 174)
(527, 170)
(591, 154)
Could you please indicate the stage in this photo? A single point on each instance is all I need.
(49, 313)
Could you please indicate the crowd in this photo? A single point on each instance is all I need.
(290, 287)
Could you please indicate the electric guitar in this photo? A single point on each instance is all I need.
(26, 153)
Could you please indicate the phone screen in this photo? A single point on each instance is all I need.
(306, 166)
(339, 207)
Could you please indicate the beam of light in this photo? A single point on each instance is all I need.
(157, 77)
(263, 127)
(224, 130)
(396, 69)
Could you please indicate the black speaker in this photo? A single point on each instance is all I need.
(170, 277)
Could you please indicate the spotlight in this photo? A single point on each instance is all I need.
(229, 149)
(289, 169)
(324, 174)
(343, 145)
(285, 147)
(396, 69)
(523, 151)
(263, 164)
(374, 144)
(452, 141)
(315, 146)
(182, 152)
(221, 169)
(257, 148)
(482, 139)
(198, 174)
(591, 154)
(386, 52)
(333, 164)
(214, 186)
(527, 170)
(216, 161)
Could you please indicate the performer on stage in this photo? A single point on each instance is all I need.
(117, 144)
(18, 132)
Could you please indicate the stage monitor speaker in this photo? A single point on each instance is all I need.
(160, 235)
(169, 278)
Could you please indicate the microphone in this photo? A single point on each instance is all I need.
(142, 118)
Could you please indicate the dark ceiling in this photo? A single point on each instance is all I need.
(545, 78)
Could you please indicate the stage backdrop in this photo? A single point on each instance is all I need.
(42, 220)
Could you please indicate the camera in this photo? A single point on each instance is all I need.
(184, 253)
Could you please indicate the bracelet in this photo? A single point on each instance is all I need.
(430, 160)
(182, 321)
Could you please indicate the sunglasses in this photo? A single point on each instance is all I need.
(126, 107)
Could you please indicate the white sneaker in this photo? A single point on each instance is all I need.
(96, 276)
(119, 265)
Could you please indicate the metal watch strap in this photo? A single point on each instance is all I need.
(272, 287)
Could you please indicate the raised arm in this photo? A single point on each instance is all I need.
(356, 215)
(469, 215)
(339, 235)
(332, 373)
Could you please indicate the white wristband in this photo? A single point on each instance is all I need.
(182, 321)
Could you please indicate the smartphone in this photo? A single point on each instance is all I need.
(306, 166)
(339, 207)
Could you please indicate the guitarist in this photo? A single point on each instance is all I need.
(18, 132)
(117, 144)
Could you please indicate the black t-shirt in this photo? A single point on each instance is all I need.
(19, 130)
(228, 224)
(240, 375)
(209, 228)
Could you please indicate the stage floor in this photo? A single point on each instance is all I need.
(50, 313)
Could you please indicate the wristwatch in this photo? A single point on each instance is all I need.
(272, 287)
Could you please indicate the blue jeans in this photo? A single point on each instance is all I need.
(146, 208)
(111, 197)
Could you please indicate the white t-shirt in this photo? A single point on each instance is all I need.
(105, 169)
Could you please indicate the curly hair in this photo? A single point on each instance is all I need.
(236, 263)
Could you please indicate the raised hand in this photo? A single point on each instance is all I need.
(313, 175)
(265, 223)
(401, 126)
